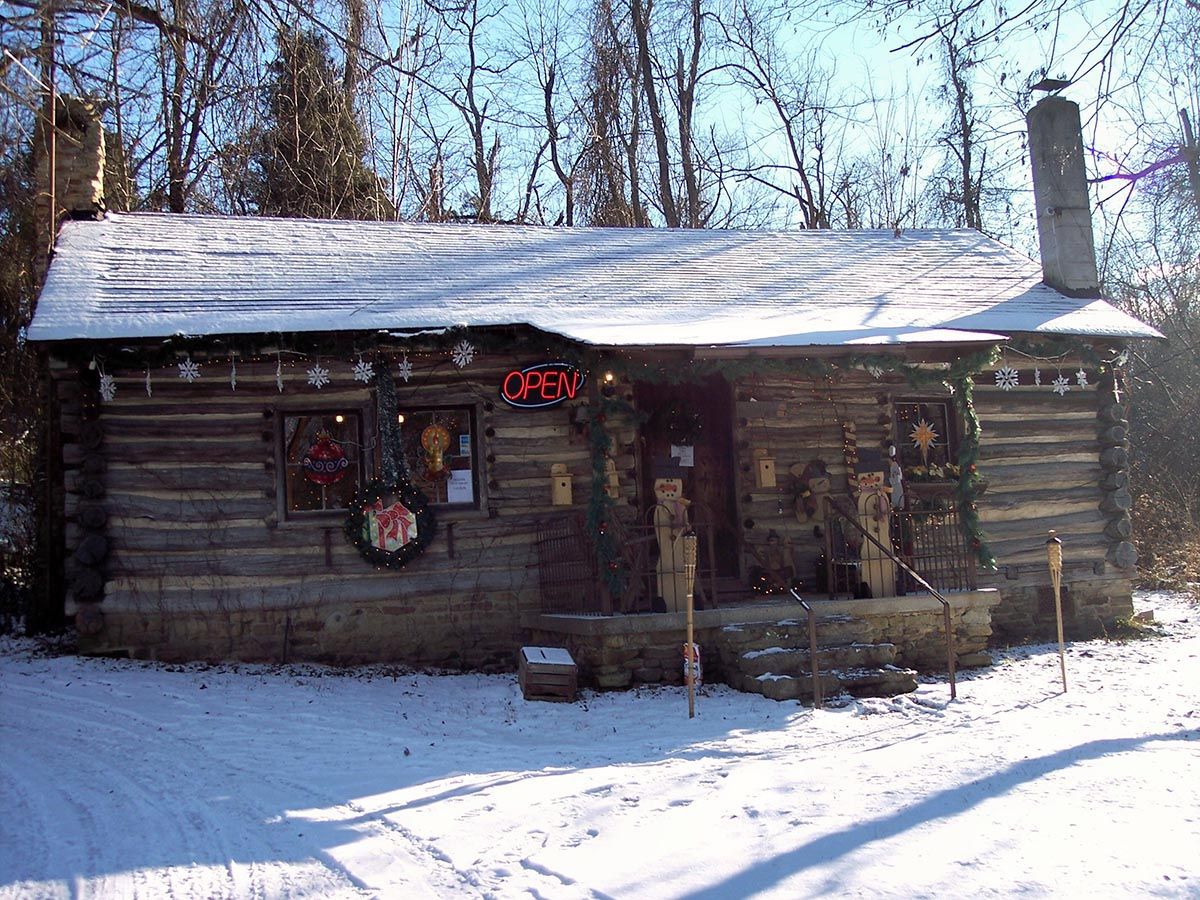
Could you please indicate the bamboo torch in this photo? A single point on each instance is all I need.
(689, 573)
(1054, 557)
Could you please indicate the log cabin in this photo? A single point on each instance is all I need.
(433, 444)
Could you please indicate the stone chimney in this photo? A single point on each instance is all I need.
(78, 184)
(1060, 191)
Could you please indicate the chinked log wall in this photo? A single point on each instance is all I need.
(196, 563)
(1056, 462)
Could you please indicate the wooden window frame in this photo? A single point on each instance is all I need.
(477, 481)
(366, 458)
(954, 427)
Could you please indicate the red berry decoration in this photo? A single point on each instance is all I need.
(325, 462)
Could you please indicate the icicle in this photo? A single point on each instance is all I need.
(149, 390)
(233, 373)
(279, 372)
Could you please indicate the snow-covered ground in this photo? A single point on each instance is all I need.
(121, 779)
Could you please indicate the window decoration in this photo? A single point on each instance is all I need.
(188, 370)
(925, 439)
(364, 371)
(439, 449)
(463, 354)
(390, 522)
(318, 376)
(322, 460)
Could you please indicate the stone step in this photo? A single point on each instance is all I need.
(832, 631)
(879, 681)
(796, 660)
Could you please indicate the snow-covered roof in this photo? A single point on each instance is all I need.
(146, 275)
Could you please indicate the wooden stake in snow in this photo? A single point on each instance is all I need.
(691, 659)
(1054, 557)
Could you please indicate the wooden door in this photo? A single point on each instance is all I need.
(702, 413)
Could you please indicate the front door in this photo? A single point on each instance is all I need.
(699, 415)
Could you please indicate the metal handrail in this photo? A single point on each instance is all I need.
(812, 649)
(832, 505)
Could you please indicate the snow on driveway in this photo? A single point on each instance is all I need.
(121, 779)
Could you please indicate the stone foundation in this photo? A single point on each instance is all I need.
(1090, 605)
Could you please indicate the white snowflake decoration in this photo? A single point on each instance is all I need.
(188, 370)
(1061, 385)
(1081, 378)
(462, 354)
(279, 374)
(364, 371)
(404, 368)
(875, 371)
(149, 389)
(1037, 377)
(108, 387)
(318, 376)
(1007, 378)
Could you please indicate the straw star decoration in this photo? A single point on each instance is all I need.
(924, 436)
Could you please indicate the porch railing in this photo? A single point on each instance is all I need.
(568, 569)
(845, 522)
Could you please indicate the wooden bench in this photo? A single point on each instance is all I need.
(547, 673)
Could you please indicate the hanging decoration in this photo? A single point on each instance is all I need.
(188, 370)
(364, 371)
(325, 462)
(404, 368)
(463, 354)
(1007, 378)
(1061, 385)
(924, 438)
(390, 521)
(149, 390)
(279, 373)
(682, 427)
(318, 376)
(108, 387)
(233, 373)
(1081, 378)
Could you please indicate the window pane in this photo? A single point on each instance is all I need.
(322, 453)
(439, 448)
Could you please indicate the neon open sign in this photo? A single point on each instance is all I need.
(543, 385)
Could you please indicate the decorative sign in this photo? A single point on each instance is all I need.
(390, 524)
(541, 386)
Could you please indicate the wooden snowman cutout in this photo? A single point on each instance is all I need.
(670, 525)
(877, 570)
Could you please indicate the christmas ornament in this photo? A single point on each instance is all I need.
(108, 387)
(875, 372)
(149, 390)
(404, 368)
(325, 462)
(463, 354)
(188, 370)
(1007, 378)
(1037, 377)
(279, 373)
(364, 371)
(318, 376)
(1061, 385)
(233, 374)
(1081, 378)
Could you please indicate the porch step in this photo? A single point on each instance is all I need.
(773, 659)
(881, 681)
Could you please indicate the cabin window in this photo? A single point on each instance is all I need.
(440, 448)
(322, 460)
(926, 438)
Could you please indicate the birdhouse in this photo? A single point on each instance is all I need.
(764, 469)
(612, 481)
(560, 485)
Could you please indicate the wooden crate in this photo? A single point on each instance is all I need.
(547, 673)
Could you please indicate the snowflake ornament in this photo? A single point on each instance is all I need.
(108, 387)
(463, 353)
(1081, 378)
(318, 376)
(875, 371)
(188, 370)
(1037, 377)
(404, 368)
(1061, 385)
(1007, 378)
(363, 371)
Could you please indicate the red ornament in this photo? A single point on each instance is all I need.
(325, 462)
